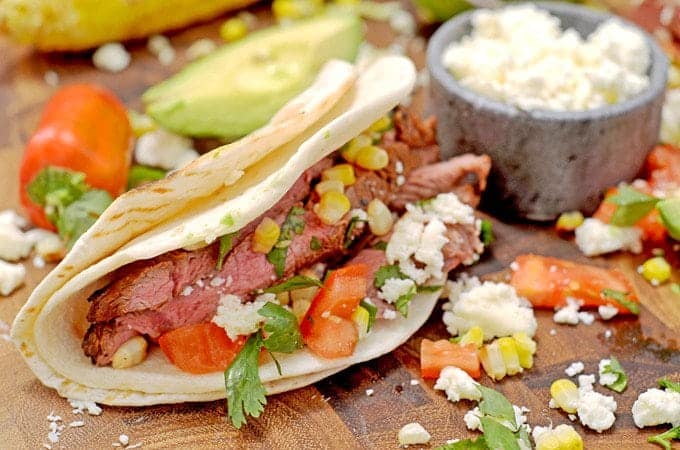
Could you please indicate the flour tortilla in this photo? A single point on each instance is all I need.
(195, 206)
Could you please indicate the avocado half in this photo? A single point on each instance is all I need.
(240, 86)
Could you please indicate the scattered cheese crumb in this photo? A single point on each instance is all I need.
(607, 334)
(11, 277)
(389, 314)
(399, 167)
(84, 405)
(124, 439)
(594, 237)
(553, 332)
(51, 78)
(606, 378)
(111, 57)
(369, 392)
(595, 411)
(14, 245)
(606, 312)
(187, 291)
(217, 281)
(240, 319)
(586, 318)
(163, 149)
(413, 433)
(574, 369)
(415, 382)
(457, 385)
(76, 424)
(401, 180)
(395, 288)
(570, 314)
(657, 407)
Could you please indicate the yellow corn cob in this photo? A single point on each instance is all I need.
(562, 437)
(565, 394)
(61, 25)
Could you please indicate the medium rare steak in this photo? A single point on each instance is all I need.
(183, 287)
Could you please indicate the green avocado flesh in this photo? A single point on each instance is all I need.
(670, 216)
(240, 86)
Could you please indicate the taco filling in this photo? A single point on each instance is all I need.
(339, 214)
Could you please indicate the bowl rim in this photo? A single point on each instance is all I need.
(441, 39)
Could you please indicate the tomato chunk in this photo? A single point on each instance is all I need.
(435, 355)
(653, 230)
(547, 282)
(200, 348)
(326, 327)
(663, 167)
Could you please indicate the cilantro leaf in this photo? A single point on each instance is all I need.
(495, 404)
(380, 245)
(282, 329)
(430, 288)
(79, 216)
(467, 444)
(294, 224)
(245, 393)
(497, 435)
(632, 205)
(621, 378)
(228, 221)
(664, 439)
(55, 188)
(621, 298)
(372, 311)
(226, 244)
(426, 202)
(293, 283)
(139, 175)
(403, 301)
(384, 273)
(487, 232)
(665, 383)
(350, 229)
(315, 243)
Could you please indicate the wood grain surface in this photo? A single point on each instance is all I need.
(334, 413)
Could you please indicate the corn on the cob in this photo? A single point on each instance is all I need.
(562, 437)
(565, 394)
(342, 172)
(266, 235)
(66, 25)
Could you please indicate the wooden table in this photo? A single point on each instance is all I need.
(335, 413)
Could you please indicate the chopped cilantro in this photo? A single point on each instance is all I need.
(140, 175)
(228, 221)
(467, 444)
(315, 243)
(293, 283)
(423, 203)
(384, 273)
(621, 378)
(281, 328)
(403, 301)
(245, 393)
(350, 229)
(380, 245)
(429, 289)
(665, 383)
(632, 205)
(294, 224)
(497, 435)
(496, 405)
(664, 439)
(487, 232)
(226, 243)
(621, 298)
(372, 311)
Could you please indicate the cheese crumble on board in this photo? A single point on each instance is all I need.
(519, 55)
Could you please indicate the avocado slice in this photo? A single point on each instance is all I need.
(240, 86)
(670, 216)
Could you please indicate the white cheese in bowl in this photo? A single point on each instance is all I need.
(520, 55)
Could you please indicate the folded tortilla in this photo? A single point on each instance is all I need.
(239, 181)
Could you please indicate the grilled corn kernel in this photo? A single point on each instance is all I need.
(266, 235)
(562, 437)
(565, 394)
(656, 270)
(350, 150)
(569, 221)
(372, 158)
(130, 353)
(382, 124)
(295, 9)
(509, 352)
(474, 335)
(283, 298)
(233, 29)
(140, 123)
(360, 316)
(380, 218)
(492, 360)
(332, 207)
(526, 347)
(342, 172)
(328, 186)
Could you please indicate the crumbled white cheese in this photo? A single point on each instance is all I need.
(607, 334)
(606, 312)
(47, 245)
(369, 392)
(200, 48)
(217, 281)
(553, 332)
(399, 167)
(419, 236)
(457, 384)
(187, 291)
(415, 382)
(402, 22)
(519, 55)
(473, 422)
(401, 180)
(594, 237)
(160, 47)
(657, 407)
(10, 217)
(79, 406)
(389, 314)
(395, 288)
(11, 277)
(495, 307)
(124, 439)
(38, 262)
(111, 57)
(471, 419)
(76, 424)
(574, 369)
(413, 433)
(163, 149)
(586, 381)
(586, 318)
(14, 245)
(569, 313)
(606, 378)
(596, 411)
(240, 319)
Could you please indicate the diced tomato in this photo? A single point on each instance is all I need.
(606, 209)
(547, 282)
(663, 167)
(653, 230)
(435, 355)
(331, 337)
(326, 327)
(200, 348)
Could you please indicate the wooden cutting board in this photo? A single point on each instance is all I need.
(335, 413)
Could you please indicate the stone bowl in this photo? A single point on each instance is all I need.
(546, 162)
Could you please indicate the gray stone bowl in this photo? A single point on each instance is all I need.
(546, 162)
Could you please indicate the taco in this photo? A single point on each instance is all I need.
(319, 241)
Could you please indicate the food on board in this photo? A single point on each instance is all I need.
(238, 87)
(51, 25)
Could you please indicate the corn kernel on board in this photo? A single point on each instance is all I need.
(334, 413)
